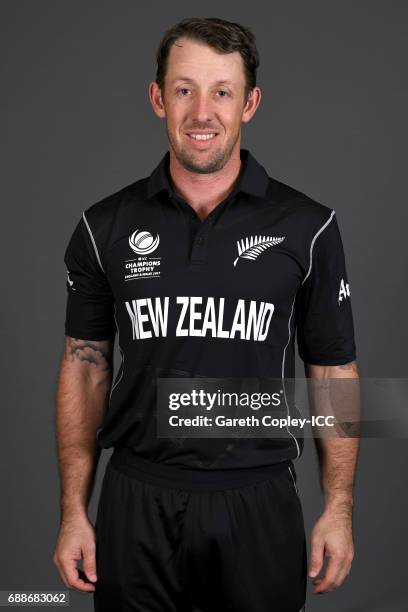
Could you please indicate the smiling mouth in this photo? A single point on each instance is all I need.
(202, 137)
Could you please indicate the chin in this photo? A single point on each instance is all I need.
(203, 164)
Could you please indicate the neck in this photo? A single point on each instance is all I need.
(204, 191)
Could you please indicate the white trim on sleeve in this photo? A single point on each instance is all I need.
(93, 241)
(314, 240)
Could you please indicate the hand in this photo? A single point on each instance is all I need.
(331, 537)
(76, 540)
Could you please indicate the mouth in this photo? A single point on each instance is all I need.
(201, 139)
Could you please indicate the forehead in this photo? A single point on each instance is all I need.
(192, 59)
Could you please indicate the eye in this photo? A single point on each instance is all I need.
(183, 91)
(223, 92)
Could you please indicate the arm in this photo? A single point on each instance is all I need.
(84, 384)
(332, 534)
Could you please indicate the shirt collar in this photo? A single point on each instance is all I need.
(253, 178)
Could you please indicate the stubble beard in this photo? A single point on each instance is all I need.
(215, 162)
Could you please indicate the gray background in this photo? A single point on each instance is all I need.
(78, 126)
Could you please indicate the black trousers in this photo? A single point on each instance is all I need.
(175, 540)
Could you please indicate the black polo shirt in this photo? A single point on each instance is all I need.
(220, 298)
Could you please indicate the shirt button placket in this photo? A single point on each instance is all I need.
(199, 251)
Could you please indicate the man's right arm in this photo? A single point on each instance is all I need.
(83, 390)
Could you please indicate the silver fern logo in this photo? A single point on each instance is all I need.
(252, 247)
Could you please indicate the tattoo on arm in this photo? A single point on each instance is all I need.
(96, 352)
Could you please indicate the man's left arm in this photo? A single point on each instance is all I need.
(332, 535)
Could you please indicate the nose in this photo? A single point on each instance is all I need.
(202, 109)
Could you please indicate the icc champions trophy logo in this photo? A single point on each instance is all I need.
(143, 243)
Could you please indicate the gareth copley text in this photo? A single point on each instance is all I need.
(267, 420)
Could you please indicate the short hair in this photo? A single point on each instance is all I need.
(223, 36)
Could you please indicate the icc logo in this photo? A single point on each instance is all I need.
(143, 243)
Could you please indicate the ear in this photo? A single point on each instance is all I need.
(252, 103)
(156, 99)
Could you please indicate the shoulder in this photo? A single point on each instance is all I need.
(104, 218)
(103, 212)
(302, 208)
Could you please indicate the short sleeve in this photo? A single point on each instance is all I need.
(90, 304)
(324, 319)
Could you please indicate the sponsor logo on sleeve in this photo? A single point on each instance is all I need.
(70, 282)
(344, 291)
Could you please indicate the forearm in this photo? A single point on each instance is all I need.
(337, 458)
(83, 391)
(337, 455)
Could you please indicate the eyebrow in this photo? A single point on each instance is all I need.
(189, 80)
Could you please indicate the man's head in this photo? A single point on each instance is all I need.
(205, 85)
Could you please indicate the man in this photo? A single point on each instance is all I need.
(173, 263)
